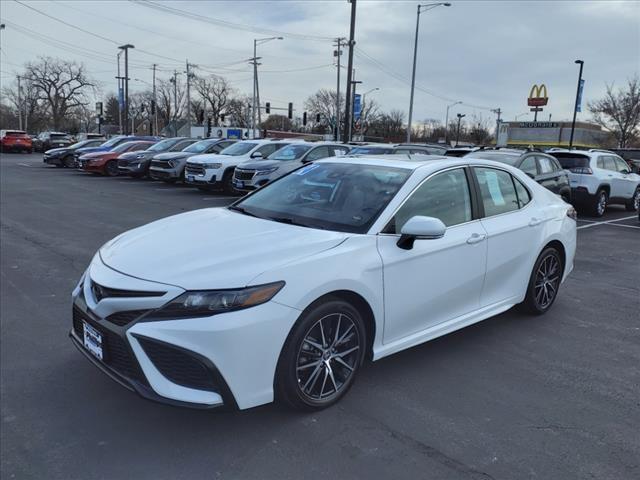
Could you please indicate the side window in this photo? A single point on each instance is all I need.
(217, 148)
(136, 147)
(317, 153)
(600, 162)
(497, 191)
(523, 194)
(267, 150)
(444, 196)
(621, 165)
(528, 166)
(545, 165)
(609, 164)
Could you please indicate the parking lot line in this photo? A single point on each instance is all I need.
(609, 222)
(25, 165)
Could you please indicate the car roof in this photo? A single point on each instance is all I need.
(406, 161)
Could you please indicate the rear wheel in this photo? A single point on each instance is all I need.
(321, 356)
(634, 204)
(544, 282)
(111, 168)
(69, 161)
(599, 205)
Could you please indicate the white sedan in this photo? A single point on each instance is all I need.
(284, 294)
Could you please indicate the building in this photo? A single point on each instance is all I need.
(550, 134)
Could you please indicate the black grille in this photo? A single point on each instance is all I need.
(123, 318)
(244, 174)
(179, 365)
(160, 164)
(194, 169)
(116, 353)
(100, 292)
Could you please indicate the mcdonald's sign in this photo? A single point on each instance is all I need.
(538, 96)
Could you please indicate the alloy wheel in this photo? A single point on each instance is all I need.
(112, 168)
(636, 200)
(547, 281)
(602, 204)
(328, 356)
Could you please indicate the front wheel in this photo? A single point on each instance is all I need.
(321, 356)
(544, 282)
(111, 168)
(69, 161)
(634, 204)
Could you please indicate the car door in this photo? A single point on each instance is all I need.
(547, 175)
(623, 181)
(613, 177)
(513, 228)
(562, 179)
(436, 280)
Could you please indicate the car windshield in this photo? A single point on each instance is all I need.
(290, 152)
(164, 145)
(123, 147)
(59, 136)
(113, 142)
(239, 148)
(330, 196)
(508, 158)
(81, 144)
(199, 147)
(371, 151)
(571, 160)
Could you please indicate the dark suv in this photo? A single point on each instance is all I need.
(48, 140)
(543, 168)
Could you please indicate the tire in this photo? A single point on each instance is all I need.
(331, 370)
(69, 161)
(599, 205)
(111, 168)
(634, 204)
(227, 183)
(544, 282)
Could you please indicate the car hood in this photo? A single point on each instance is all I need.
(129, 155)
(172, 155)
(260, 164)
(212, 248)
(57, 151)
(215, 157)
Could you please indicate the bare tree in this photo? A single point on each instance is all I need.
(277, 122)
(324, 103)
(168, 97)
(61, 84)
(238, 111)
(32, 108)
(389, 126)
(216, 92)
(619, 112)
(480, 129)
(370, 113)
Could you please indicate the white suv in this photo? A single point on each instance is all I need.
(599, 178)
(215, 171)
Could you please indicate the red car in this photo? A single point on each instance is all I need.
(106, 163)
(15, 141)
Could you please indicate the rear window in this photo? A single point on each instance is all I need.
(371, 151)
(59, 135)
(571, 160)
(15, 134)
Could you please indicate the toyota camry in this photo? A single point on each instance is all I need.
(286, 293)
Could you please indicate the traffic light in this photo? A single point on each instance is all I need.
(200, 116)
(267, 107)
(222, 118)
(153, 107)
(317, 118)
(304, 118)
(290, 113)
(209, 125)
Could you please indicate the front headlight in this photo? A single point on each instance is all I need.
(212, 165)
(210, 302)
(266, 171)
(140, 155)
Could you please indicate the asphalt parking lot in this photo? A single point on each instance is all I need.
(554, 397)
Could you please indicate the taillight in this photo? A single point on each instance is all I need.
(581, 170)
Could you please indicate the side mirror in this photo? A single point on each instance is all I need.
(256, 155)
(626, 172)
(420, 228)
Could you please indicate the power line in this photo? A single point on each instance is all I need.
(227, 24)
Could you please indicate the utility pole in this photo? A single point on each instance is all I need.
(352, 44)
(126, 86)
(120, 99)
(353, 96)
(460, 117)
(338, 53)
(19, 103)
(577, 104)
(155, 103)
(174, 80)
(498, 112)
(189, 76)
(446, 122)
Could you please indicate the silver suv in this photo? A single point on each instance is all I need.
(599, 178)
(253, 174)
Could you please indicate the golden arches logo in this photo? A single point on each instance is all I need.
(538, 96)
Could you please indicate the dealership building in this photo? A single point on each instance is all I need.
(550, 134)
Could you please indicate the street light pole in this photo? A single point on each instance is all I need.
(575, 107)
(446, 122)
(126, 86)
(421, 8)
(348, 99)
(255, 99)
(460, 117)
(338, 53)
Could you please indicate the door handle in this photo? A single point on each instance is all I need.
(476, 238)
(534, 221)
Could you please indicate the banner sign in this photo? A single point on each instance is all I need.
(579, 102)
(357, 106)
(121, 98)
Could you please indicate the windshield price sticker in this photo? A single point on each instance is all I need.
(307, 169)
(494, 188)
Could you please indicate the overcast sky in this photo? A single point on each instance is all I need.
(485, 53)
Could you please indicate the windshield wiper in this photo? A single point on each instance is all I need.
(243, 211)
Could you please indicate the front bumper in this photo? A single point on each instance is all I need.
(134, 167)
(52, 160)
(581, 196)
(165, 173)
(224, 360)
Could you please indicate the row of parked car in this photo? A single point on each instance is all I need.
(588, 179)
(20, 141)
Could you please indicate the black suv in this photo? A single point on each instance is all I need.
(48, 140)
(543, 168)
